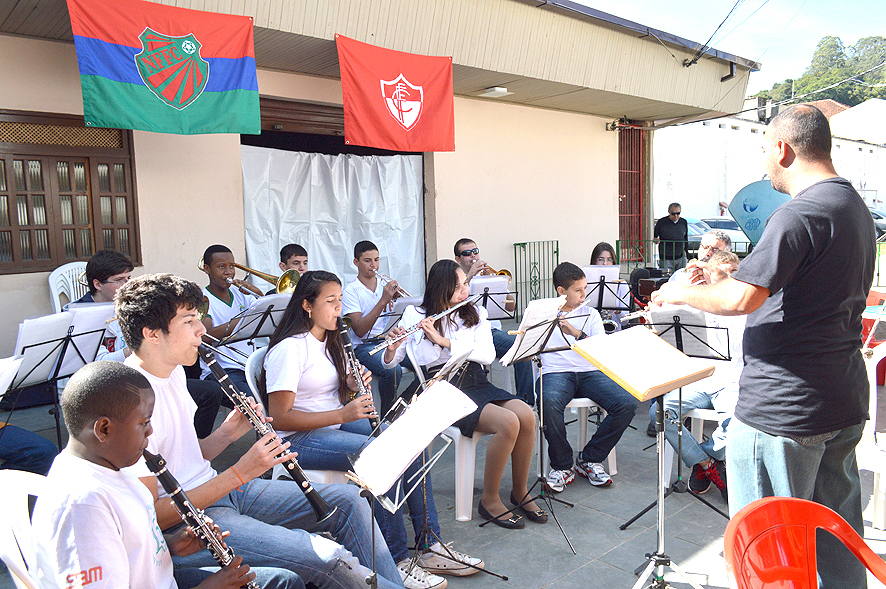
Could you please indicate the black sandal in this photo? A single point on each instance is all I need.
(539, 516)
(515, 522)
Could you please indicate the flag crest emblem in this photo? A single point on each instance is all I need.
(403, 101)
(172, 68)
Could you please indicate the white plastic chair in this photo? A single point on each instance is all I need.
(64, 280)
(15, 531)
(697, 417)
(871, 455)
(253, 368)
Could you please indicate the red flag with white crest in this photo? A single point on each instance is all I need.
(394, 100)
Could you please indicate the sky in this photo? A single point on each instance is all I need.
(779, 34)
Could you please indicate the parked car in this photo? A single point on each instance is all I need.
(697, 228)
(740, 242)
(879, 221)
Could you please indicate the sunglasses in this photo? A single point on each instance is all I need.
(676, 213)
(466, 253)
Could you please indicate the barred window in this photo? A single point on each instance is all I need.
(65, 191)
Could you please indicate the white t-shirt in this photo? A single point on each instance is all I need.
(477, 339)
(174, 436)
(357, 298)
(96, 527)
(221, 312)
(300, 364)
(584, 318)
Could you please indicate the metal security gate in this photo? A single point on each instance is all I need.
(534, 263)
(631, 193)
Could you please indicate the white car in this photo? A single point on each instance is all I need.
(740, 242)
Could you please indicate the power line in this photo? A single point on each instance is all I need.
(706, 45)
(765, 2)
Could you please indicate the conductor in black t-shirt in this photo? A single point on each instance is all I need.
(803, 393)
(671, 233)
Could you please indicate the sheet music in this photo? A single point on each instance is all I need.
(393, 317)
(616, 293)
(384, 460)
(8, 369)
(695, 332)
(536, 313)
(88, 329)
(41, 334)
(246, 327)
(497, 288)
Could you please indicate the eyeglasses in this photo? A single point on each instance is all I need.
(676, 213)
(117, 281)
(604, 259)
(710, 248)
(466, 253)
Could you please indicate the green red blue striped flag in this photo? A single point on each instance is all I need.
(165, 69)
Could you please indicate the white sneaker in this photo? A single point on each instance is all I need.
(448, 561)
(415, 577)
(595, 473)
(558, 479)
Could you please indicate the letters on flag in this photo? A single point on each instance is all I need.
(395, 100)
(165, 69)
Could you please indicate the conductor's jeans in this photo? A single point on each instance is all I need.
(819, 468)
(558, 389)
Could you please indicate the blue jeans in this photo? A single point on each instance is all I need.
(327, 449)
(388, 378)
(558, 388)
(522, 370)
(819, 468)
(24, 450)
(693, 450)
(266, 578)
(273, 525)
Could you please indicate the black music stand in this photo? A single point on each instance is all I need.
(691, 339)
(398, 446)
(53, 356)
(540, 320)
(609, 358)
(259, 320)
(494, 293)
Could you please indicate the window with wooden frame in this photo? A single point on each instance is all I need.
(66, 191)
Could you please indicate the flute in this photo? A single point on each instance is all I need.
(356, 369)
(192, 516)
(320, 506)
(417, 326)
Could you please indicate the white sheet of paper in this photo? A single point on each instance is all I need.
(8, 370)
(89, 325)
(385, 459)
(498, 291)
(36, 331)
(536, 312)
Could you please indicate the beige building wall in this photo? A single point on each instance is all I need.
(189, 188)
(518, 174)
(525, 174)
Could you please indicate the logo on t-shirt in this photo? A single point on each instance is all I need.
(84, 577)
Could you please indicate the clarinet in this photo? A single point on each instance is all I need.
(192, 516)
(355, 368)
(321, 507)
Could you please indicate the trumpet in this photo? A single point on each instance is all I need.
(490, 271)
(417, 326)
(284, 283)
(385, 278)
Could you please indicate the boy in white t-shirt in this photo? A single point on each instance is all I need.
(363, 301)
(95, 524)
(566, 375)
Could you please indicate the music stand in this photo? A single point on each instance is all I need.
(259, 320)
(494, 294)
(676, 370)
(539, 321)
(55, 347)
(393, 317)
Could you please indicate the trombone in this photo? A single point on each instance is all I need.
(284, 283)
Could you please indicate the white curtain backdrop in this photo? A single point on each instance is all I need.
(329, 203)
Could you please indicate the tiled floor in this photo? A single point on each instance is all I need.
(538, 556)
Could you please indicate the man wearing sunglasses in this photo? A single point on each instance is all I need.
(467, 254)
(671, 233)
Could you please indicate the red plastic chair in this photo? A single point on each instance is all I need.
(771, 543)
